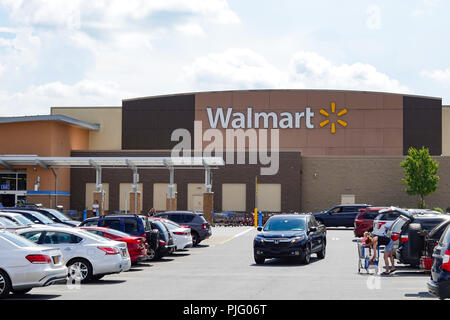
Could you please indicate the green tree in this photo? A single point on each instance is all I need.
(420, 171)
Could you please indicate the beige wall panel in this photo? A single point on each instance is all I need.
(160, 195)
(124, 193)
(233, 196)
(109, 137)
(269, 197)
(90, 188)
(195, 196)
(446, 131)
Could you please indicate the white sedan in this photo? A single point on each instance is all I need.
(182, 238)
(25, 265)
(87, 256)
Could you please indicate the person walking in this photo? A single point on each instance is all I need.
(151, 212)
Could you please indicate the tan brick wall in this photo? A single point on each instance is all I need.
(49, 201)
(373, 180)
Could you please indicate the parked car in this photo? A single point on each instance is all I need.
(17, 218)
(88, 257)
(200, 228)
(439, 283)
(9, 225)
(409, 230)
(25, 265)
(431, 241)
(182, 238)
(384, 221)
(36, 217)
(340, 216)
(131, 224)
(290, 235)
(137, 246)
(54, 215)
(166, 245)
(364, 220)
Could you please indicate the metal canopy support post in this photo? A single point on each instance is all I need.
(6, 165)
(98, 184)
(171, 187)
(135, 185)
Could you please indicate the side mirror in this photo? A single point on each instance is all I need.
(259, 228)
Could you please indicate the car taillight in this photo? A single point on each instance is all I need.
(180, 233)
(184, 226)
(38, 259)
(162, 242)
(109, 251)
(358, 221)
(446, 261)
(204, 225)
(395, 236)
(404, 238)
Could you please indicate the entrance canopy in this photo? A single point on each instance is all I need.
(8, 161)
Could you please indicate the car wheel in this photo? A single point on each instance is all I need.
(306, 258)
(151, 254)
(259, 260)
(322, 252)
(21, 292)
(79, 270)
(195, 238)
(5, 284)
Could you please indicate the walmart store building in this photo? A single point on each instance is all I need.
(335, 146)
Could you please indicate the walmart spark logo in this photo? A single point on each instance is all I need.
(333, 111)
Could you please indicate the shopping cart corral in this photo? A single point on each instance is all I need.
(365, 253)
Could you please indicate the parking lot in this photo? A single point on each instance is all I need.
(223, 268)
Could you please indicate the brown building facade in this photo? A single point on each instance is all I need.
(334, 146)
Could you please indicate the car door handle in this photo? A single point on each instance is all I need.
(67, 249)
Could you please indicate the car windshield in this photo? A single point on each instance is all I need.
(17, 240)
(23, 220)
(285, 224)
(43, 219)
(7, 223)
(61, 216)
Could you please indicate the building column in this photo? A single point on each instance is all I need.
(99, 197)
(135, 202)
(208, 207)
(171, 203)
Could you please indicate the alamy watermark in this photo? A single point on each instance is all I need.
(235, 146)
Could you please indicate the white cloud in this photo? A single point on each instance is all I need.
(190, 29)
(441, 76)
(38, 99)
(232, 69)
(373, 21)
(113, 14)
(245, 69)
(310, 70)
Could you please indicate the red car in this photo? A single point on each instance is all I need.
(364, 220)
(136, 245)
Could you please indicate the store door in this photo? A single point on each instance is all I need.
(8, 200)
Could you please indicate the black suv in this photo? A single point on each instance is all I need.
(131, 224)
(200, 228)
(411, 231)
(439, 284)
(290, 236)
(340, 216)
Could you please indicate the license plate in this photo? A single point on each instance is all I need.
(56, 260)
(124, 253)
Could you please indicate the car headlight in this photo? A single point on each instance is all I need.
(258, 239)
(298, 239)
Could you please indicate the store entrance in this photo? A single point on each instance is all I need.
(8, 200)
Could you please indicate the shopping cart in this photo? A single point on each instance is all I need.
(364, 256)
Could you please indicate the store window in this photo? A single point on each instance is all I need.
(13, 181)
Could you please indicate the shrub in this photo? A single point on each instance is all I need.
(438, 209)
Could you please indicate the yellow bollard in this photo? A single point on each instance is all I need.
(255, 219)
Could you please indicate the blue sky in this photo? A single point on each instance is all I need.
(96, 53)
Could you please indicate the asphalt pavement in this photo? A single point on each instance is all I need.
(222, 268)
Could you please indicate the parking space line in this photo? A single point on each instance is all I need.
(236, 236)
